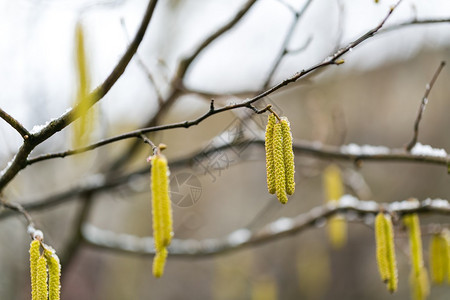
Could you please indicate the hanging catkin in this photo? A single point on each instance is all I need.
(384, 237)
(269, 154)
(34, 256)
(418, 277)
(288, 154)
(54, 275)
(162, 212)
(334, 189)
(41, 279)
(278, 157)
(159, 262)
(439, 258)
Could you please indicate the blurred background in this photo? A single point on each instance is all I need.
(372, 98)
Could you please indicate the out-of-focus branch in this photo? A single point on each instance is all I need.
(14, 124)
(19, 209)
(75, 240)
(351, 153)
(423, 104)
(20, 160)
(241, 238)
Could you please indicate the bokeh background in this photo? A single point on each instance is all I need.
(371, 99)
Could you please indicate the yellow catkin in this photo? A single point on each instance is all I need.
(418, 277)
(337, 231)
(280, 175)
(34, 256)
(446, 235)
(332, 181)
(420, 288)
(337, 226)
(288, 152)
(41, 279)
(54, 275)
(161, 206)
(159, 262)
(438, 258)
(384, 237)
(269, 154)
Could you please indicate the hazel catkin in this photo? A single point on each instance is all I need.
(162, 212)
(270, 169)
(278, 157)
(385, 250)
(439, 256)
(288, 154)
(41, 279)
(34, 256)
(418, 277)
(54, 275)
(159, 262)
(161, 207)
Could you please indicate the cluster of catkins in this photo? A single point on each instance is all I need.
(45, 272)
(439, 255)
(279, 158)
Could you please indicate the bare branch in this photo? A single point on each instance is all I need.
(423, 104)
(177, 82)
(14, 124)
(19, 161)
(242, 238)
(16, 207)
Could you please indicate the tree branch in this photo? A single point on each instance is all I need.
(19, 161)
(352, 153)
(287, 39)
(423, 104)
(177, 81)
(14, 124)
(242, 238)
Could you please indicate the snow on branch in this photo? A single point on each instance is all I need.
(240, 238)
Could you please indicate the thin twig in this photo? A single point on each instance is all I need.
(177, 81)
(144, 68)
(14, 124)
(243, 237)
(18, 208)
(415, 22)
(287, 39)
(149, 142)
(423, 104)
(330, 60)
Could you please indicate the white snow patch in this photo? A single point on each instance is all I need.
(439, 203)
(37, 128)
(427, 150)
(368, 205)
(348, 201)
(355, 149)
(404, 205)
(239, 236)
(280, 225)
